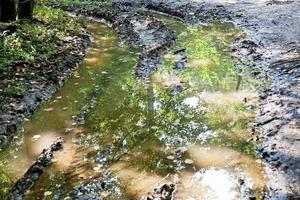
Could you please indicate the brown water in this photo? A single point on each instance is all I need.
(188, 127)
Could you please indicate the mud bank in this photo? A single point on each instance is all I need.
(26, 182)
(147, 34)
(273, 30)
(41, 87)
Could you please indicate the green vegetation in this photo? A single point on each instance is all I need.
(25, 44)
(5, 184)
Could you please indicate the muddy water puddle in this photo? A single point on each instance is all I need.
(189, 124)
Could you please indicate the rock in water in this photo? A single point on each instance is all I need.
(164, 192)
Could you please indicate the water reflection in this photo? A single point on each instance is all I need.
(225, 158)
(208, 184)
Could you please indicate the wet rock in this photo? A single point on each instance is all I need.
(89, 197)
(180, 50)
(164, 192)
(180, 63)
(177, 89)
(241, 181)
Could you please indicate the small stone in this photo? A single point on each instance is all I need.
(241, 181)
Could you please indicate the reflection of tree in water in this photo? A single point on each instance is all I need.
(143, 123)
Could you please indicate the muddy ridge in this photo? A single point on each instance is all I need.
(147, 34)
(26, 182)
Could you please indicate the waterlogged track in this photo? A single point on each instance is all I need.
(187, 126)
